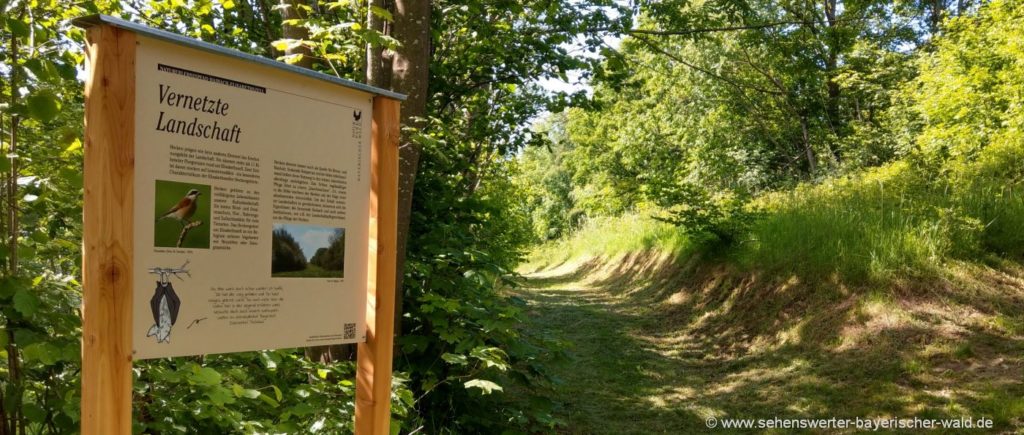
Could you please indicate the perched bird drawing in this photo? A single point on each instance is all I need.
(185, 208)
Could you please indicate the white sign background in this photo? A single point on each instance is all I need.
(299, 120)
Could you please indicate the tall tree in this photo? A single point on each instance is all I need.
(409, 75)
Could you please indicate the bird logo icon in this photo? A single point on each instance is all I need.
(185, 208)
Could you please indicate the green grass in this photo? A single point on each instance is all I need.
(639, 364)
(890, 292)
(889, 222)
(613, 236)
(311, 271)
(871, 227)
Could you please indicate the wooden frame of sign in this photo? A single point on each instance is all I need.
(109, 219)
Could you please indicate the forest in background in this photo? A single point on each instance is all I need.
(872, 139)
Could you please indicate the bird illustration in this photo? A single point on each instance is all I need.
(185, 208)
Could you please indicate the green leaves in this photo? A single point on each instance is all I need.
(451, 358)
(485, 386)
(43, 105)
(44, 353)
(247, 393)
(19, 28)
(205, 376)
(26, 301)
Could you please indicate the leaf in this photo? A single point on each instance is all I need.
(302, 409)
(18, 28)
(268, 362)
(205, 376)
(277, 393)
(381, 12)
(491, 357)
(8, 286)
(34, 413)
(220, 395)
(229, 4)
(286, 44)
(406, 397)
(486, 387)
(269, 400)
(43, 105)
(39, 69)
(43, 352)
(452, 358)
(26, 302)
(292, 59)
(24, 337)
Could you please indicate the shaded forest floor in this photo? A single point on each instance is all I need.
(659, 345)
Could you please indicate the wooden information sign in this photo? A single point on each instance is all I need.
(232, 203)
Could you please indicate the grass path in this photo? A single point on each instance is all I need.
(621, 378)
(633, 368)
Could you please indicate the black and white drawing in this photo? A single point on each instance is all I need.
(165, 302)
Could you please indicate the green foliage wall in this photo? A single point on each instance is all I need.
(920, 164)
(704, 106)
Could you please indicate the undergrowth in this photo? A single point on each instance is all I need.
(898, 220)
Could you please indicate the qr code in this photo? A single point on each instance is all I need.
(350, 331)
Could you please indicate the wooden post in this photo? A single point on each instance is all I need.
(108, 236)
(373, 365)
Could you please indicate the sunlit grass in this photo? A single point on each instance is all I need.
(884, 223)
(606, 237)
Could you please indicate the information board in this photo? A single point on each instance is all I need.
(251, 206)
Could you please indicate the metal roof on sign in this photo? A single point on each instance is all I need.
(95, 20)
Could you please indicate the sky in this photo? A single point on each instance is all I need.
(310, 237)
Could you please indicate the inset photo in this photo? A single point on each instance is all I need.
(307, 251)
(182, 215)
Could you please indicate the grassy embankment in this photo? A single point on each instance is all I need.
(885, 294)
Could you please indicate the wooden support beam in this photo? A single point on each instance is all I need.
(373, 365)
(108, 232)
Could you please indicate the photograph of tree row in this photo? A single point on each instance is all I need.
(307, 251)
(614, 217)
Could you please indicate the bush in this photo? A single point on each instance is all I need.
(333, 256)
(286, 255)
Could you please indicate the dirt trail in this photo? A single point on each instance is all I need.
(649, 359)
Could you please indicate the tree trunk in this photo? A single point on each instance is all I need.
(268, 29)
(832, 109)
(410, 69)
(811, 163)
(293, 10)
(15, 387)
(376, 74)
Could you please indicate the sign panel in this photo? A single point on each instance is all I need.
(251, 206)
